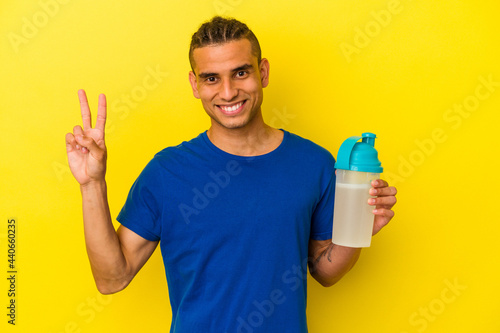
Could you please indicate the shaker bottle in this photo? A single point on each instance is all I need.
(357, 165)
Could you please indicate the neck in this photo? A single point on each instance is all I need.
(246, 141)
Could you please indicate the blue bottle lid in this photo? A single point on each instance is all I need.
(359, 156)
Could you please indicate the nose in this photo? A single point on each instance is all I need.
(228, 90)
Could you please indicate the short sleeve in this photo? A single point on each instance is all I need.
(143, 207)
(322, 219)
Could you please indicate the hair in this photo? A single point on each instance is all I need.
(220, 30)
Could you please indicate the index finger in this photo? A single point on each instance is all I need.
(100, 122)
(84, 107)
(379, 183)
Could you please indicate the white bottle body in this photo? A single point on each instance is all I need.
(353, 216)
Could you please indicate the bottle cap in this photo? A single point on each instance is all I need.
(359, 156)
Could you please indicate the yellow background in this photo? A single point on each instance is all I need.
(338, 68)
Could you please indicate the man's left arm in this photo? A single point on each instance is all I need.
(330, 262)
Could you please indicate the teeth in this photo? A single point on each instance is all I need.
(231, 108)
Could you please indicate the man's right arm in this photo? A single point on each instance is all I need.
(115, 256)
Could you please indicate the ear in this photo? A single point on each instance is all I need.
(264, 72)
(194, 84)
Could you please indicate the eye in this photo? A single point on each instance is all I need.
(241, 73)
(211, 79)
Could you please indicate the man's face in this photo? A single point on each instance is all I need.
(229, 81)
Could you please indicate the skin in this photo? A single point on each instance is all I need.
(115, 256)
(224, 75)
(330, 262)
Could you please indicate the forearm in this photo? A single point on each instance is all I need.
(332, 262)
(106, 257)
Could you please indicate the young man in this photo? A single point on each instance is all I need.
(239, 211)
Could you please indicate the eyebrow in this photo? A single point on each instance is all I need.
(240, 68)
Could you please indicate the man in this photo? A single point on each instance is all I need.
(239, 211)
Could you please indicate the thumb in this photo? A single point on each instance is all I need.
(89, 145)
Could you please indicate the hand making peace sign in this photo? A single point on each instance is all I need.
(85, 147)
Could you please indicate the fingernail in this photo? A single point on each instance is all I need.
(371, 201)
(375, 211)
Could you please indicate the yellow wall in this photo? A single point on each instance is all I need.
(414, 72)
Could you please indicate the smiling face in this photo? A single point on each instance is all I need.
(228, 80)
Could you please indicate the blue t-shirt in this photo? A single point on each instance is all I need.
(234, 231)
